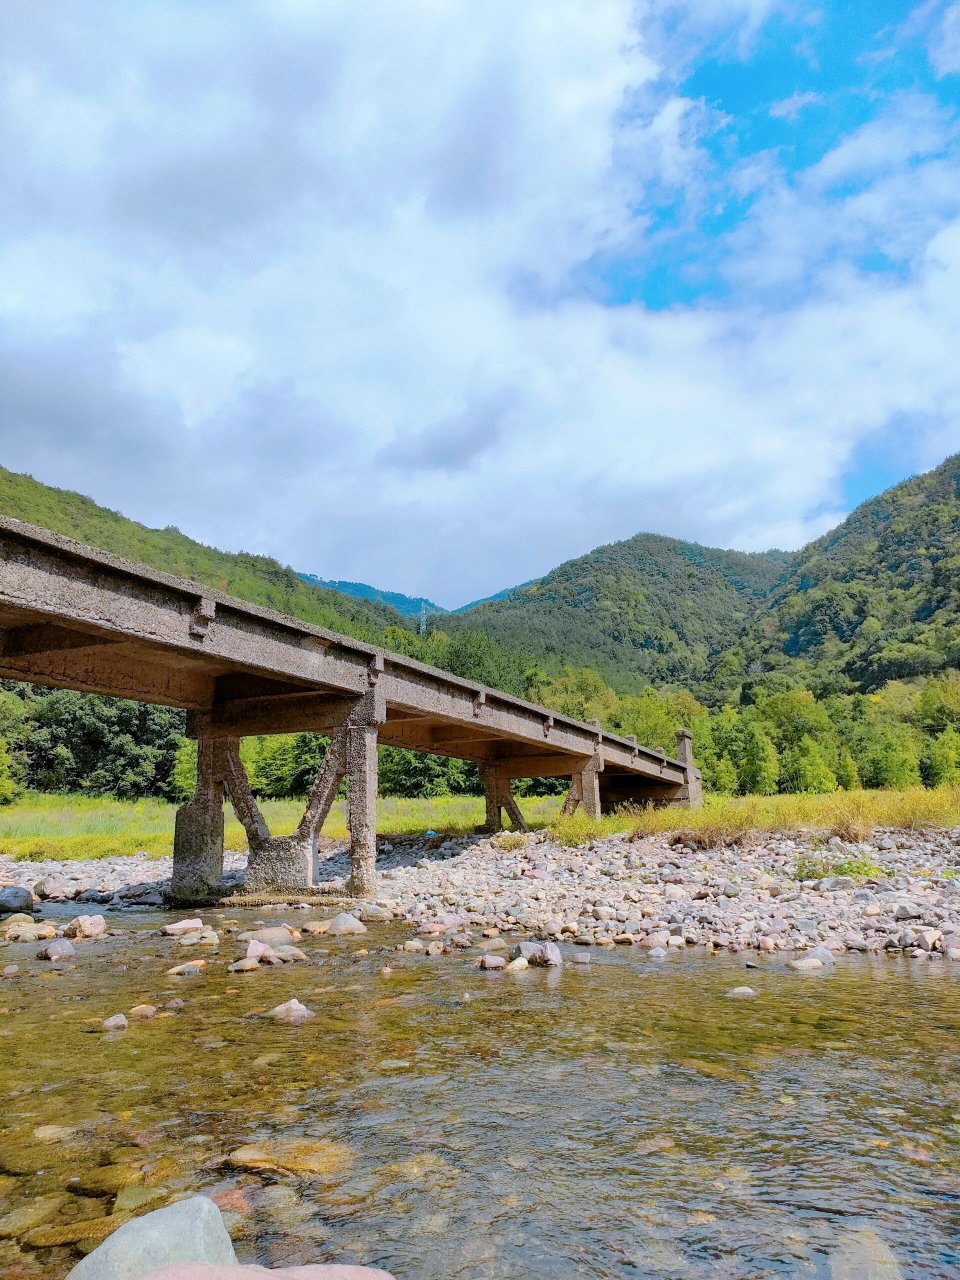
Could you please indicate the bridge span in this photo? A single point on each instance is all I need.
(78, 618)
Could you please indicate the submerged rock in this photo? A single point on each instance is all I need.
(318, 1156)
(861, 1255)
(27, 1216)
(189, 1231)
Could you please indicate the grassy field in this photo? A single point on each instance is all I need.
(75, 827)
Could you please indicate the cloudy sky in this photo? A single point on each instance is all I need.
(438, 294)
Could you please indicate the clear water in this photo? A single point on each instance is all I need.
(622, 1119)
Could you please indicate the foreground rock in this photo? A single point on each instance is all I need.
(189, 1231)
(191, 1271)
(318, 1272)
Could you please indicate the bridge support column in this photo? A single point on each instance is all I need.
(690, 794)
(361, 749)
(499, 798)
(198, 835)
(584, 790)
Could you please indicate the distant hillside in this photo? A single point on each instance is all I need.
(650, 609)
(255, 578)
(407, 606)
(876, 599)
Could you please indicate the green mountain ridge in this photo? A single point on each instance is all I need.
(648, 610)
(875, 599)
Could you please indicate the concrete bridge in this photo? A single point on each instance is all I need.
(78, 618)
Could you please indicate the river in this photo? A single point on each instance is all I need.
(623, 1118)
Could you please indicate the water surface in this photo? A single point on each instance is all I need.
(622, 1119)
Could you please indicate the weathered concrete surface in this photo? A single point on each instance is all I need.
(198, 835)
(73, 617)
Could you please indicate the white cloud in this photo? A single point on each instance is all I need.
(945, 43)
(791, 108)
(308, 280)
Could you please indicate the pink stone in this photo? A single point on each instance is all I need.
(258, 950)
(218, 1271)
(180, 927)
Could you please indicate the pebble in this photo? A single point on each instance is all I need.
(658, 892)
(117, 1022)
(292, 1012)
(741, 993)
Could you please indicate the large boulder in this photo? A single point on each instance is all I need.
(13, 898)
(189, 1231)
(344, 925)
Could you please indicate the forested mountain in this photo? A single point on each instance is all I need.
(876, 599)
(406, 606)
(255, 578)
(867, 618)
(650, 610)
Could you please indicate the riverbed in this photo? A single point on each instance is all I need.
(618, 1118)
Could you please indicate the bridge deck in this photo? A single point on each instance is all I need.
(80, 618)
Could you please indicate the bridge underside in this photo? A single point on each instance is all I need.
(75, 618)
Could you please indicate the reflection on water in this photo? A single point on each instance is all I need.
(622, 1119)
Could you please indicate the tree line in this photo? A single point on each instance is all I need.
(778, 737)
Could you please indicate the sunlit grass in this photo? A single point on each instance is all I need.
(852, 815)
(77, 827)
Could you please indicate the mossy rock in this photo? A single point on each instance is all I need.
(74, 1232)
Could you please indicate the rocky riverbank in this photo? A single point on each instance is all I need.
(898, 892)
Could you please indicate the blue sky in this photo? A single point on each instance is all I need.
(438, 295)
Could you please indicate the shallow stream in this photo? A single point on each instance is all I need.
(617, 1119)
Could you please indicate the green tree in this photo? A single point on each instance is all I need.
(893, 760)
(724, 777)
(759, 770)
(848, 779)
(804, 769)
(10, 783)
(941, 759)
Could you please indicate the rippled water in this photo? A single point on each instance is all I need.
(622, 1119)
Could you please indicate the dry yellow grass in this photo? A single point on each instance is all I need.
(852, 815)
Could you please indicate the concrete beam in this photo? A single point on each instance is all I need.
(115, 671)
(552, 765)
(285, 713)
(46, 637)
